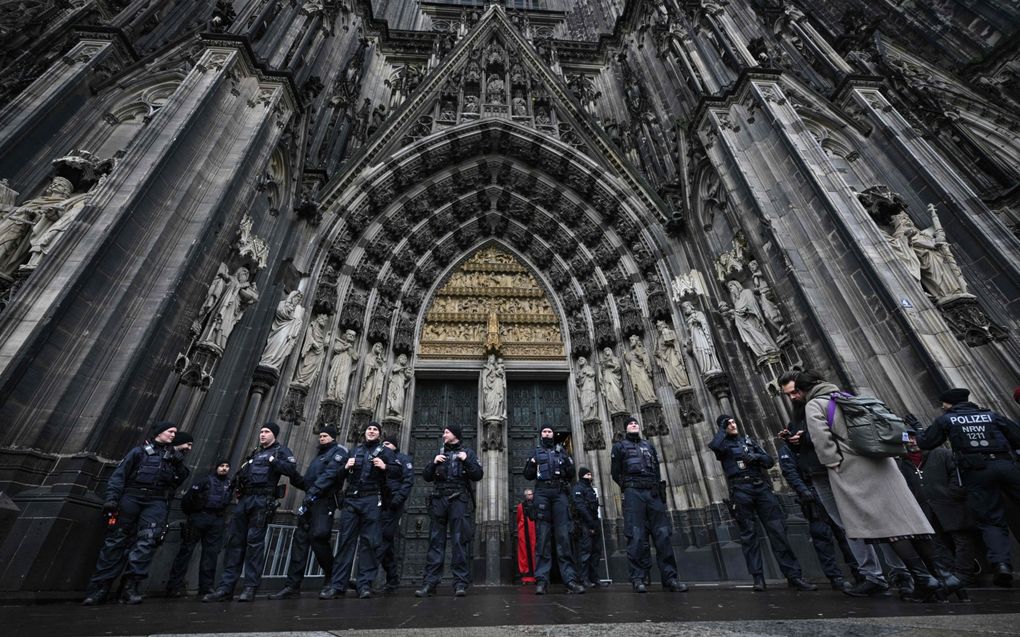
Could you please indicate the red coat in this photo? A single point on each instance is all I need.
(525, 546)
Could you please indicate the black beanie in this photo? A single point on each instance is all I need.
(160, 427)
(955, 395)
(374, 424)
(183, 438)
(221, 461)
(584, 470)
(544, 427)
(392, 439)
(273, 427)
(456, 430)
(630, 420)
(723, 420)
(329, 429)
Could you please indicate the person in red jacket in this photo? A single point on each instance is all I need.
(526, 538)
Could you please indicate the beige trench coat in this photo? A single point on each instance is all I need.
(873, 498)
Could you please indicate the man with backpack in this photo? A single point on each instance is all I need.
(985, 445)
(205, 504)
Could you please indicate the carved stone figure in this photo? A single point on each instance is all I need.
(903, 230)
(612, 382)
(586, 390)
(520, 107)
(15, 227)
(702, 346)
(769, 309)
(749, 321)
(287, 323)
(341, 366)
(400, 374)
(372, 378)
(639, 367)
(312, 351)
(470, 104)
(669, 357)
(940, 274)
(495, 90)
(225, 303)
(52, 213)
(493, 389)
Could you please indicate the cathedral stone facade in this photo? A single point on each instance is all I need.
(495, 214)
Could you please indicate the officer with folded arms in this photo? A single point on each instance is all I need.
(258, 492)
(398, 489)
(985, 444)
(588, 528)
(205, 504)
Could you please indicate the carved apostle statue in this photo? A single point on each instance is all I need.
(312, 351)
(940, 274)
(285, 332)
(372, 378)
(702, 346)
(341, 366)
(400, 374)
(224, 305)
(612, 382)
(493, 389)
(587, 394)
(749, 321)
(903, 230)
(639, 366)
(35, 226)
(769, 308)
(670, 358)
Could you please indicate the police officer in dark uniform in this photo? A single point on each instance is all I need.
(985, 444)
(588, 528)
(257, 483)
(451, 504)
(205, 504)
(137, 501)
(552, 469)
(635, 468)
(315, 521)
(825, 535)
(398, 489)
(745, 464)
(364, 474)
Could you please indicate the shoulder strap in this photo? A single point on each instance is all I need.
(830, 412)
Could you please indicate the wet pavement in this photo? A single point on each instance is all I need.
(499, 611)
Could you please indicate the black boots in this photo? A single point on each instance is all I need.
(247, 595)
(1002, 575)
(96, 597)
(287, 592)
(427, 590)
(220, 595)
(759, 584)
(132, 591)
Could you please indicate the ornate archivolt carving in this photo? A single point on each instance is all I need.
(492, 283)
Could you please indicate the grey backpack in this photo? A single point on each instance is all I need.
(872, 430)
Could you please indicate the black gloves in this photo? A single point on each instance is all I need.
(111, 506)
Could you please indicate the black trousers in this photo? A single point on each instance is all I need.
(132, 543)
(455, 513)
(359, 520)
(207, 528)
(246, 541)
(313, 532)
(644, 513)
(986, 488)
(552, 520)
(751, 502)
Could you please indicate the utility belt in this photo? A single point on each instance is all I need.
(258, 491)
(978, 460)
(552, 485)
(447, 490)
(149, 492)
(640, 484)
(361, 493)
(747, 479)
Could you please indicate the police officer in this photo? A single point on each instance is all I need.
(364, 474)
(635, 468)
(451, 504)
(985, 445)
(315, 522)
(552, 469)
(246, 534)
(205, 503)
(588, 528)
(825, 535)
(137, 501)
(398, 489)
(745, 464)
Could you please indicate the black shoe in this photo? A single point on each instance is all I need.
(602, 584)
(428, 590)
(96, 597)
(365, 594)
(175, 593)
(575, 587)
(287, 592)
(866, 588)
(639, 587)
(676, 586)
(588, 584)
(839, 584)
(247, 595)
(540, 588)
(759, 584)
(460, 591)
(221, 595)
(1002, 575)
(801, 584)
(132, 592)
(390, 588)
(330, 593)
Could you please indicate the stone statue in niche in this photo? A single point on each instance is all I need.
(669, 357)
(400, 374)
(903, 229)
(493, 389)
(287, 323)
(749, 321)
(586, 390)
(470, 104)
(312, 351)
(52, 214)
(224, 305)
(702, 346)
(341, 366)
(495, 90)
(520, 106)
(769, 308)
(372, 378)
(612, 382)
(940, 274)
(640, 369)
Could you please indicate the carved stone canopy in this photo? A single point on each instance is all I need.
(491, 303)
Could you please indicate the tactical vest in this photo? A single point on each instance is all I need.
(550, 463)
(638, 461)
(452, 470)
(974, 431)
(219, 493)
(259, 468)
(152, 472)
(361, 472)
